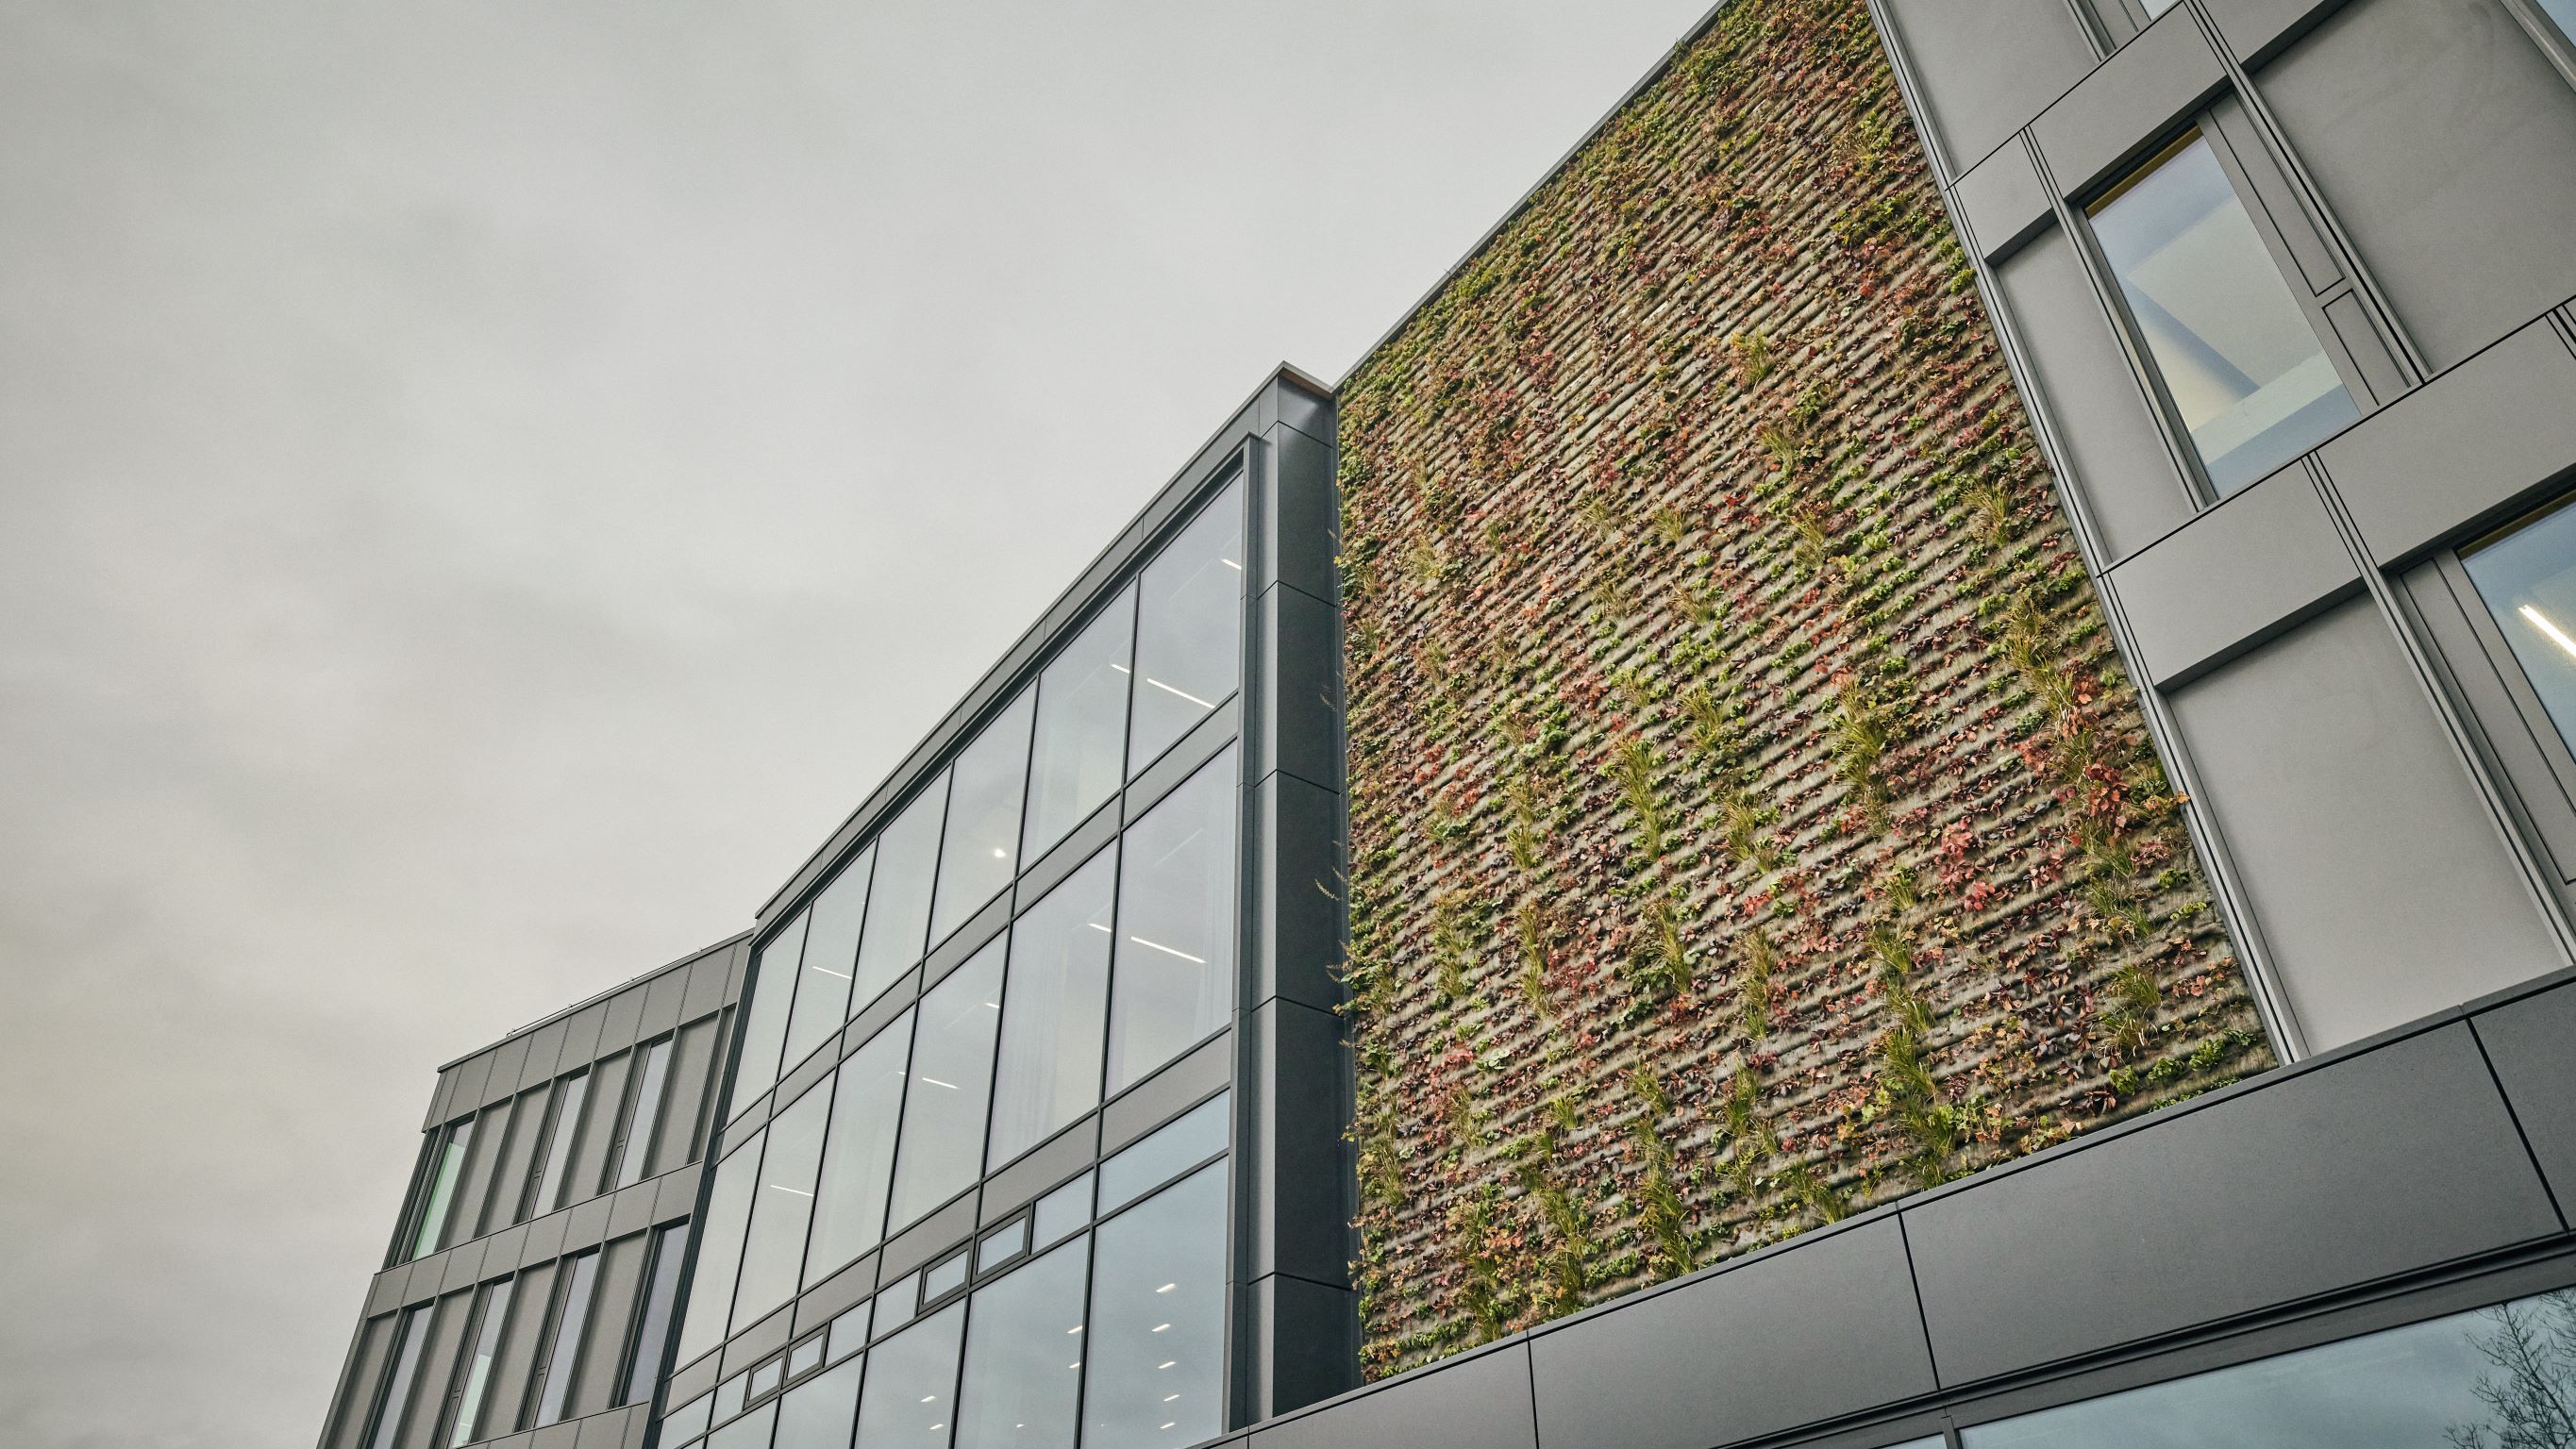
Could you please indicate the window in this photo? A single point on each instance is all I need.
(1079, 754)
(751, 1431)
(2245, 369)
(1193, 1138)
(943, 1277)
(2501, 1376)
(1189, 629)
(490, 1313)
(2527, 580)
(899, 902)
(1157, 1329)
(447, 1164)
(563, 1127)
(653, 1331)
(952, 1074)
(643, 1115)
(817, 1414)
(1002, 1244)
(1063, 1211)
(773, 992)
(1174, 979)
(410, 1336)
(912, 1378)
(981, 851)
(689, 1420)
(1023, 1383)
(572, 1319)
(774, 1249)
(858, 1155)
(1054, 1007)
(720, 1251)
(831, 956)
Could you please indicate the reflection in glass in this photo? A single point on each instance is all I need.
(442, 1187)
(1158, 1318)
(1024, 1357)
(412, 1330)
(831, 956)
(479, 1360)
(1189, 628)
(553, 1185)
(751, 1431)
(899, 901)
(653, 1334)
(981, 851)
(1174, 980)
(2236, 352)
(858, 1160)
(645, 1115)
(2527, 579)
(1194, 1137)
(817, 1413)
(775, 1246)
(572, 1320)
(1053, 1008)
(1076, 761)
(912, 1380)
(773, 992)
(720, 1251)
(952, 1074)
(2499, 1377)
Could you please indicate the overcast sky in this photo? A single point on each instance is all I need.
(484, 488)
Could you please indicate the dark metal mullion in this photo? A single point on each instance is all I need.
(1233, 1400)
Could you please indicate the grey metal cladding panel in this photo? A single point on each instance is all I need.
(1160, 1097)
(2391, 1160)
(586, 1224)
(385, 1290)
(605, 1431)
(1482, 1402)
(625, 1017)
(630, 1209)
(929, 1238)
(2384, 890)
(2121, 468)
(503, 1079)
(1075, 850)
(464, 1266)
(581, 1037)
(1208, 739)
(1305, 1343)
(897, 1000)
(439, 1096)
(662, 998)
(694, 1380)
(467, 1081)
(817, 1065)
(978, 932)
(2127, 105)
(707, 979)
(1302, 518)
(2268, 554)
(2443, 140)
(1302, 1194)
(1301, 653)
(1644, 1376)
(675, 1193)
(1986, 67)
(545, 1047)
(1021, 1183)
(2532, 1045)
(566, 1435)
(2251, 28)
(1296, 881)
(760, 1340)
(836, 1293)
(545, 1238)
(2003, 202)
(2474, 443)
(502, 1252)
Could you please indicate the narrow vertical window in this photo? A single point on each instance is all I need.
(899, 901)
(653, 1331)
(783, 1207)
(563, 1131)
(831, 955)
(644, 1114)
(1173, 982)
(1023, 1379)
(2527, 580)
(1189, 629)
(439, 1201)
(720, 1250)
(2252, 381)
(391, 1411)
(980, 852)
(942, 1150)
(490, 1316)
(773, 993)
(1080, 752)
(572, 1318)
(1158, 1319)
(858, 1154)
(1054, 1007)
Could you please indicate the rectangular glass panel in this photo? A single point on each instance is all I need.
(773, 996)
(942, 1148)
(1174, 979)
(730, 1395)
(858, 1157)
(389, 1415)
(645, 1115)
(1023, 1378)
(512, 1183)
(1186, 1141)
(1189, 629)
(912, 1377)
(720, 1252)
(1065, 1210)
(804, 1356)
(1079, 754)
(482, 1167)
(817, 1414)
(774, 1249)
(488, 1322)
(563, 1131)
(2527, 580)
(571, 1321)
(2254, 385)
(751, 1431)
(689, 1420)
(1054, 1006)
(441, 1197)
(1157, 1326)
(944, 1277)
(899, 900)
(765, 1377)
(980, 852)
(1001, 1245)
(653, 1335)
(2502, 1376)
(896, 1305)
(849, 1333)
(831, 960)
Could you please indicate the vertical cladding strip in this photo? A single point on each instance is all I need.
(1750, 817)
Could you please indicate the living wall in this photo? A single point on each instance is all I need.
(1750, 819)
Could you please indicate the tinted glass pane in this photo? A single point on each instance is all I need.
(944, 1277)
(1064, 1210)
(858, 1162)
(2564, 13)
(2502, 1376)
(849, 1333)
(774, 1249)
(653, 1334)
(893, 1306)
(720, 1253)
(1158, 1318)
(952, 1073)
(899, 900)
(912, 1377)
(981, 851)
(441, 1198)
(817, 1414)
(1174, 980)
(751, 1431)
(2527, 580)
(478, 1363)
(415, 1330)
(1001, 1245)
(1079, 755)
(773, 993)
(1053, 1009)
(1189, 629)
(554, 1181)
(1198, 1135)
(645, 1114)
(1024, 1357)
(831, 956)
(689, 1420)
(572, 1320)
(2254, 386)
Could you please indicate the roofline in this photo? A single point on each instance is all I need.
(550, 1018)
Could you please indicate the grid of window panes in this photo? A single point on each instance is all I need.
(1096, 1316)
(1120, 966)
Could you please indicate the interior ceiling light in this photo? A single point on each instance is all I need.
(2557, 636)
